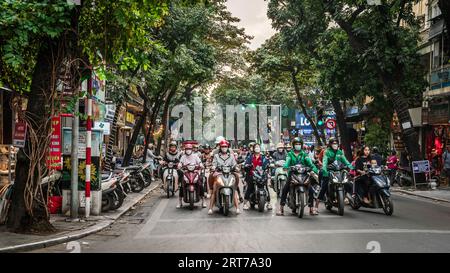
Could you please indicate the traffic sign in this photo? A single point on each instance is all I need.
(330, 124)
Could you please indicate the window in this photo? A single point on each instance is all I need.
(436, 61)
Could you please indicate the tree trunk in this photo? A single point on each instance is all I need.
(319, 138)
(166, 117)
(137, 128)
(342, 127)
(19, 219)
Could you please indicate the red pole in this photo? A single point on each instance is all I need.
(88, 147)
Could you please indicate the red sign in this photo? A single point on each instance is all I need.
(330, 124)
(20, 133)
(54, 159)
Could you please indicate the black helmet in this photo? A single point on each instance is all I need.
(206, 146)
(375, 150)
(332, 140)
(297, 140)
(173, 143)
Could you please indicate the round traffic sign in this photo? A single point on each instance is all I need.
(330, 124)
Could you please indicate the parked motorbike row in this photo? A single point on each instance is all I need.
(117, 184)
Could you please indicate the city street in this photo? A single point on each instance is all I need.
(417, 225)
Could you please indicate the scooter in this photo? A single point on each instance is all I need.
(261, 194)
(169, 176)
(280, 178)
(379, 193)
(109, 194)
(225, 194)
(299, 189)
(339, 176)
(191, 185)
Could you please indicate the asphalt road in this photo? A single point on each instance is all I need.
(417, 225)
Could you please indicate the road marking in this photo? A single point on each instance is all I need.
(299, 232)
(151, 223)
(240, 218)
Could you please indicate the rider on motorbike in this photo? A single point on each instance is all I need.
(280, 153)
(223, 158)
(189, 158)
(297, 156)
(172, 155)
(331, 154)
(254, 160)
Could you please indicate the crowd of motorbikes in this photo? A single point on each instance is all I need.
(117, 184)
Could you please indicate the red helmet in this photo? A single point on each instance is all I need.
(188, 146)
(224, 143)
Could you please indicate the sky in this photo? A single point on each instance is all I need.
(253, 15)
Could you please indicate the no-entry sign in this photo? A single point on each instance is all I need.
(330, 124)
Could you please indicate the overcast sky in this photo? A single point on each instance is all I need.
(253, 15)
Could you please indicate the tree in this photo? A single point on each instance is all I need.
(377, 38)
(279, 62)
(45, 32)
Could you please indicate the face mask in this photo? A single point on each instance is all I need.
(335, 146)
(224, 150)
(188, 152)
(298, 147)
(257, 150)
(280, 151)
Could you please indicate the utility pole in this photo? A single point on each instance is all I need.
(74, 162)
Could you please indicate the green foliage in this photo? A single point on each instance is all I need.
(23, 26)
(377, 136)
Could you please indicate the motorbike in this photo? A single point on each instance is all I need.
(298, 191)
(225, 194)
(137, 179)
(280, 177)
(169, 174)
(379, 184)
(338, 177)
(191, 185)
(110, 195)
(261, 194)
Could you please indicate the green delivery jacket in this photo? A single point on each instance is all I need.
(330, 156)
(302, 158)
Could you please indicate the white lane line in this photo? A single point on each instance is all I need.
(299, 232)
(151, 223)
(241, 218)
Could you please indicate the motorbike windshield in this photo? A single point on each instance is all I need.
(336, 166)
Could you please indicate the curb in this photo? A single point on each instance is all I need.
(88, 231)
(422, 196)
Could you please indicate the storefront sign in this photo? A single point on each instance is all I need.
(20, 133)
(130, 117)
(110, 110)
(54, 160)
(422, 166)
(104, 126)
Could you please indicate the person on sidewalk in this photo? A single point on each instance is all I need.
(446, 159)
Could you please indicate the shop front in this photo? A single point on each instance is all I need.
(436, 130)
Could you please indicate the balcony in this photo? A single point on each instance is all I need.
(440, 81)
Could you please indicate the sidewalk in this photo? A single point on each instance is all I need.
(441, 194)
(68, 231)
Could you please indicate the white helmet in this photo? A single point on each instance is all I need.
(280, 146)
(219, 139)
